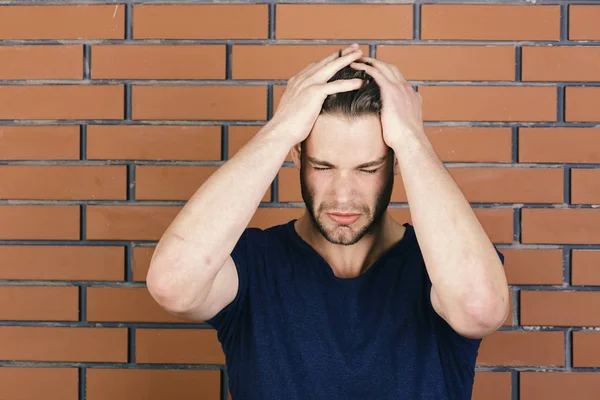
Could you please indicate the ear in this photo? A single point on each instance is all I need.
(296, 154)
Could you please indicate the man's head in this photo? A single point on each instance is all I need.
(334, 176)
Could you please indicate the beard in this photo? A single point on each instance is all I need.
(345, 234)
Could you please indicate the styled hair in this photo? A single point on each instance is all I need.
(364, 101)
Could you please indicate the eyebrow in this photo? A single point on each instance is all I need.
(364, 165)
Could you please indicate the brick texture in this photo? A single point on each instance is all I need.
(113, 115)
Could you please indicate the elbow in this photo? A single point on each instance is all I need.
(483, 317)
(166, 292)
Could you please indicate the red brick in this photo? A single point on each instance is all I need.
(583, 22)
(201, 21)
(533, 266)
(62, 22)
(582, 104)
(61, 102)
(559, 145)
(41, 303)
(584, 186)
(559, 385)
(141, 262)
(584, 267)
(39, 142)
(451, 63)
(567, 63)
(490, 22)
(492, 386)
(277, 61)
(153, 142)
(63, 182)
(39, 222)
(560, 308)
(360, 21)
(158, 61)
(586, 349)
(68, 344)
(173, 182)
(561, 226)
(41, 62)
(152, 384)
(491, 103)
(125, 305)
(172, 346)
(519, 348)
(200, 102)
(77, 263)
(39, 383)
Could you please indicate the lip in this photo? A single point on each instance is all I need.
(345, 219)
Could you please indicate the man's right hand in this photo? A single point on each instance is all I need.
(306, 91)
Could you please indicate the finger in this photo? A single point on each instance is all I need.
(390, 71)
(324, 61)
(327, 71)
(342, 85)
(380, 78)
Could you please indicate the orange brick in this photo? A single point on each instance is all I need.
(559, 308)
(493, 103)
(201, 21)
(498, 185)
(173, 182)
(490, 22)
(584, 186)
(47, 303)
(128, 222)
(561, 226)
(125, 305)
(39, 383)
(584, 267)
(39, 222)
(586, 349)
(39, 142)
(153, 142)
(69, 344)
(158, 62)
(63, 182)
(518, 348)
(582, 104)
(559, 145)
(41, 62)
(559, 385)
(360, 21)
(583, 22)
(277, 61)
(492, 386)
(62, 22)
(141, 262)
(61, 102)
(533, 266)
(200, 102)
(172, 346)
(451, 63)
(567, 63)
(149, 384)
(94, 263)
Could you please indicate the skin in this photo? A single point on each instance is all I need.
(338, 181)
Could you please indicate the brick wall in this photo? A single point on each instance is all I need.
(112, 115)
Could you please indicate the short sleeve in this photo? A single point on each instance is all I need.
(246, 254)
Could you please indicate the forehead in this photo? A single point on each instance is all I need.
(346, 142)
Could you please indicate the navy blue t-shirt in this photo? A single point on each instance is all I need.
(296, 331)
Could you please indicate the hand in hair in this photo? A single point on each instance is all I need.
(401, 105)
(306, 91)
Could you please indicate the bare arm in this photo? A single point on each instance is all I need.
(191, 273)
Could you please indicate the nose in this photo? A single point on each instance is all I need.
(343, 187)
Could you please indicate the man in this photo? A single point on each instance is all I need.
(343, 303)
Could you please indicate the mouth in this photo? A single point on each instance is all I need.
(345, 219)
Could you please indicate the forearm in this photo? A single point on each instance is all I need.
(203, 234)
(466, 272)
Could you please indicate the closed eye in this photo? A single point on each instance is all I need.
(368, 171)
